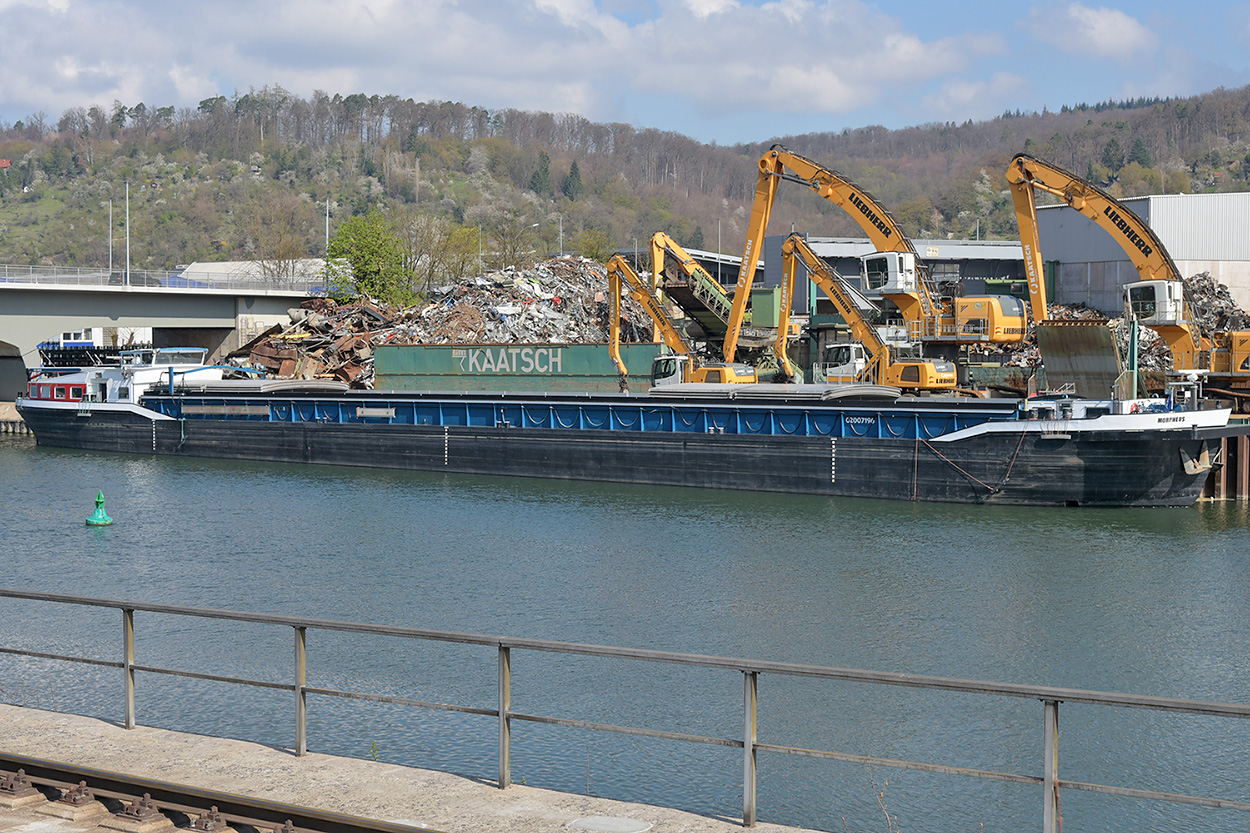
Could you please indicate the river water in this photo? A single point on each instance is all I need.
(1151, 602)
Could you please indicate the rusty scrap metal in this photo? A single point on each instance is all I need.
(141, 809)
(16, 785)
(562, 300)
(209, 822)
(78, 796)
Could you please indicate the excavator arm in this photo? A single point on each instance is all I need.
(780, 164)
(704, 287)
(881, 367)
(794, 251)
(622, 277)
(1145, 250)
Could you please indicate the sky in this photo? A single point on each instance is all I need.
(720, 71)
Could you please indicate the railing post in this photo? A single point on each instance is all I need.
(128, 663)
(301, 697)
(750, 685)
(505, 721)
(1052, 821)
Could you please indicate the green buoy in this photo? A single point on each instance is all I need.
(99, 517)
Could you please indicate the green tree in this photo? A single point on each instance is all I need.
(376, 257)
(1113, 156)
(696, 239)
(1140, 153)
(572, 186)
(540, 182)
(593, 243)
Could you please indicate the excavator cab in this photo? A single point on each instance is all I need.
(1156, 303)
(994, 318)
(890, 272)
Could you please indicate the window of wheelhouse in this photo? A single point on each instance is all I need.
(58, 391)
(45, 391)
(77, 391)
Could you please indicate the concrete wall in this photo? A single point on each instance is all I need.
(12, 373)
(1233, 274)
(1095, 284)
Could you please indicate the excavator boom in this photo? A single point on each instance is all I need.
(881, 368)
(622, 276)
(1027, 174)
(895, 269)
(778, 164)
(712, 295)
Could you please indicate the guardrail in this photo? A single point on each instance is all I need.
(146, 279)
(1049, 697)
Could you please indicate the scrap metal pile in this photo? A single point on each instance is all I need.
(1210, 303)
(561, 301)
(1213, 306)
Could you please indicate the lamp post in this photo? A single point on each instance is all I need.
(561, 216)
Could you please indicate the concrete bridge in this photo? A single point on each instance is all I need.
(201, 309)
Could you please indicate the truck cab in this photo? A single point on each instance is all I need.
(674, 369)
(843, 363)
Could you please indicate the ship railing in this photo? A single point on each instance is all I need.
(750, 671)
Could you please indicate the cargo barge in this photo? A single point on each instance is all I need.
(855, 441)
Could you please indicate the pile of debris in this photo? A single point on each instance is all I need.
(558, 301)
(1212, 305)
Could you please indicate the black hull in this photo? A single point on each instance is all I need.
(1104, 469)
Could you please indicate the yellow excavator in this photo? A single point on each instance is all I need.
(894, 270)
(873, 362)
(683, 363)
(1157, 300)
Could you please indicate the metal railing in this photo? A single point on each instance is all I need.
(69, 276)
(749, 743)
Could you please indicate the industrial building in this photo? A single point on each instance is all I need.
(977, 267)
(994, 267)
(1202, 232)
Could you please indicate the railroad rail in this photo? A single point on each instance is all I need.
(750, 670)
(213, 809)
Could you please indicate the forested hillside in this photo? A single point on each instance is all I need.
(250, 176)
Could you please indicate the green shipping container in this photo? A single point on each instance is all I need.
(579, 368)
(765, 306)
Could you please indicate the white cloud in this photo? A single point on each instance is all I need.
(676, 62)
(54, 5)
(792, 56)
(960, 99)
(1092, 33)
(704, 9)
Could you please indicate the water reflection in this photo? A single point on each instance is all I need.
(1150, 601)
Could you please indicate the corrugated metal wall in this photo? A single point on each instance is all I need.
(1205, 232)
(1202, 226)
(1192, 226)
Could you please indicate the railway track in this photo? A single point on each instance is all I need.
(141, 799)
